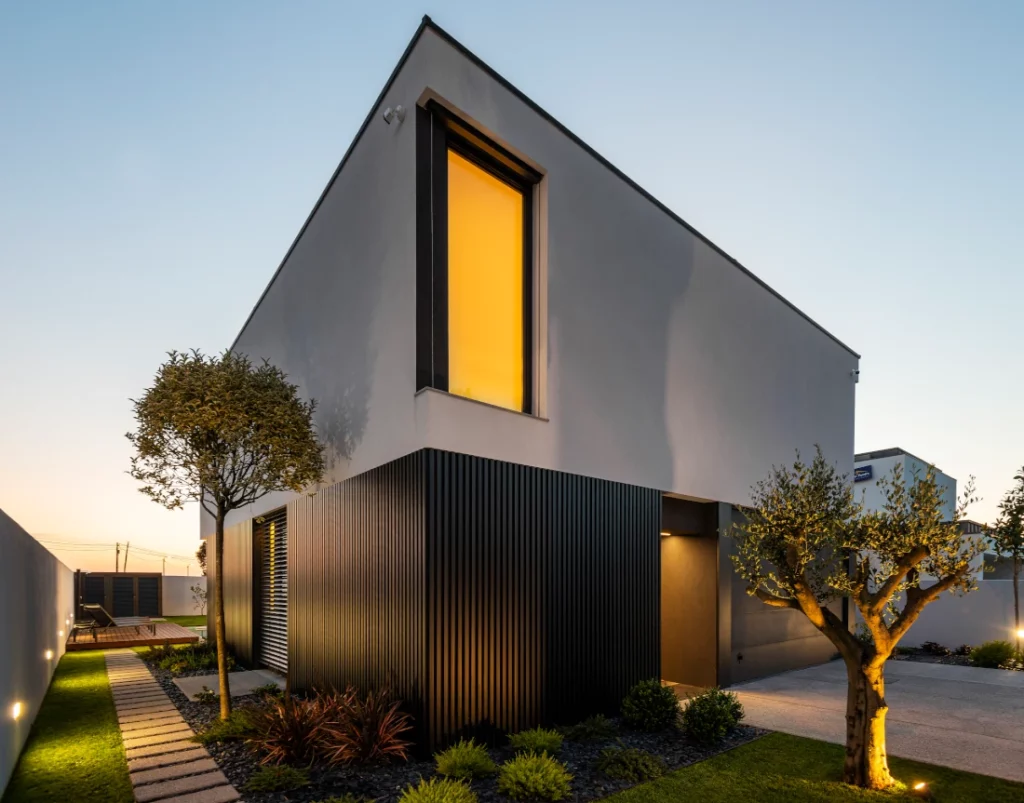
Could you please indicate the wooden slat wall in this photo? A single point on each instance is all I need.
(356, 583)
(543, 595)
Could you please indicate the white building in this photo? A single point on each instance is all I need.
(870, 467)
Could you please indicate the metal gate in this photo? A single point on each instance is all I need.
(273, 635)
(124, 596)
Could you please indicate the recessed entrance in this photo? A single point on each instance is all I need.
(689, 596)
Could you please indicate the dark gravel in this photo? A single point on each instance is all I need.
(384, 784)
(920, 656)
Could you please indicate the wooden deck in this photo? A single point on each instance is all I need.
(114, 638)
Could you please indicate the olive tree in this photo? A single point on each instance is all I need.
(805, 542)
(1008, 539)
(224, 433)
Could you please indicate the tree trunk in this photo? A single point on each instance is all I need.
(866, 764)
(218, 618)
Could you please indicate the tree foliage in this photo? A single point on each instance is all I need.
(223, 432)
(806, 542)
(201, 556)
(1007, 534)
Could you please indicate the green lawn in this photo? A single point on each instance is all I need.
(74, 750)
(188, 621)
(789, 769)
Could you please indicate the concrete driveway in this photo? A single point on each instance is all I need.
(956, 716)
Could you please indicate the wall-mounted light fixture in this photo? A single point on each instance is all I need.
(397, 113)
(60, 634)
(16, 711)
(48, 655)
(664, 533)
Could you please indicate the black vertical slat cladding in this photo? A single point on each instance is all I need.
(356, 584)
(239, 577)
(542, 595)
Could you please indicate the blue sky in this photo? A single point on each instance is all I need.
(156, 161)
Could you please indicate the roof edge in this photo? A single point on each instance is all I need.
(427, 22)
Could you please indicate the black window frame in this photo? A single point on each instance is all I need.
(437, 132)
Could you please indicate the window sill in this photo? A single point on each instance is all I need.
(488, 405)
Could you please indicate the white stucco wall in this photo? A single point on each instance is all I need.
(177, 595)
(661, 362)
(869, 493)
(36, 607)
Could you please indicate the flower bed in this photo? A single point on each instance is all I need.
(385, 783)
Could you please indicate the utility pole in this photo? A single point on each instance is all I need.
(163, 565)
(117, 557)
(127, 544)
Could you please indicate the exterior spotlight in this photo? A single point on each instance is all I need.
(1020, 633)
(60, 634)
(16, 711)
(397, 113)
(49, 655)
(920, 791)
(663, 532)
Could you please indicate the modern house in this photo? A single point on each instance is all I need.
(541, 393)
(870, 467)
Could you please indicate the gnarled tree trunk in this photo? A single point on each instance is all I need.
(220, 633)
(867, 764)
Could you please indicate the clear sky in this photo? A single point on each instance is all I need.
(157, 159)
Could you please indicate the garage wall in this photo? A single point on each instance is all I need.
(36, 606)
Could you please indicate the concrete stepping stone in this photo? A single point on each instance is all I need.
(164, 764)
(173, 771)
(168, 759)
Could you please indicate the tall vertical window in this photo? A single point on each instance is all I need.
(475, 267)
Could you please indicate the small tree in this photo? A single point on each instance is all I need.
(224, 433)
(806, 543)
(1008, 540)
(201, 557)
(199, 596)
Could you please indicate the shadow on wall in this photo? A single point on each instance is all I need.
(616, 273)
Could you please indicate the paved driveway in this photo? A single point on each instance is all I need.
(957, 716)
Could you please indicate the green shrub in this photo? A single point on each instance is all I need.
(934, 648)
(593, 729)
(269, 691)
(708, 717)
(276, 779)
(992, 654)
(963, 649)
(239, 726)
(529, 776)
(630, 764)
(465, 760)
(650, 706)
(536, 740)
(184, 658)
(207, 695)
(439, 790)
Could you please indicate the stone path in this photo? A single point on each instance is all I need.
(163, 764)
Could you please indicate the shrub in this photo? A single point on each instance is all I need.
(963, 649)
(269, 690)
(593, 729)
(276, 779)
(290, 730)
(238, 726)
(185, 658)
(465, 760)
(207, 695)
(707, 718)
(536, 740)
(438, 790)
(992, 654)
(934, 648)
(650, 706)
(529, 776)
(630, 764)
(366, 729)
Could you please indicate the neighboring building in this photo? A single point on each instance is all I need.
(870, 467)
(541, 394)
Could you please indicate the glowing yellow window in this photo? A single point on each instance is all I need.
(485, 285)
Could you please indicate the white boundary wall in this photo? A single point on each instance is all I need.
(36, 606)
(177, 599)
(983, 615)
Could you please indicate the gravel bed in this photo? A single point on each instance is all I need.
(384, 784)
